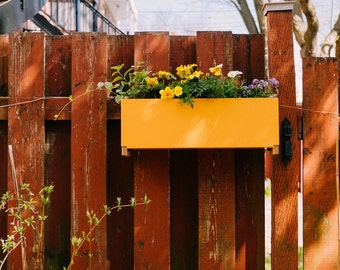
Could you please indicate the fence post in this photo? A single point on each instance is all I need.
(152, 174)
(216, 181)
(320, 183)
(26, 129)
(88, 146)
(285, 176)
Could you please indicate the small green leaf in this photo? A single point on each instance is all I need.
(108, 86)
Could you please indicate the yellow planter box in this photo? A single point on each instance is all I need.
(212, 123)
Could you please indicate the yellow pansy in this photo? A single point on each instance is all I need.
(185, 71)
(178, 91)
(181, 71)
(167, 93)
(164, 74)
(195, 74)
(216, 70)
(152, 81)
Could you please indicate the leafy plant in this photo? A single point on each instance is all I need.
(25, 212)
(190, 83)
(34, 218)
(94, 221)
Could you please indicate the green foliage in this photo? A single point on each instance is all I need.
(15, 204)
(190, 83)
(24, 213)
(94, 221)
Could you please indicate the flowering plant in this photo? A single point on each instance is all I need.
(190, 83)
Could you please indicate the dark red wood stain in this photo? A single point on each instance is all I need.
(321, 136)
(26, 129)
(88, 146)
(285, 177)
(216, 209)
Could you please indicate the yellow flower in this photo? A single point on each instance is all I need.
(216, 70)
(152, 81)
(185, 71)
(181, 71)
(195, 74)
(167, 93)
(164, 74)
(192, 66)
(178, 91)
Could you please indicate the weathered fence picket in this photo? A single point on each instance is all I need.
(320, 152)
(26, 129)
(207, 209)
(88, 145)
(249, 167)
(58, 149)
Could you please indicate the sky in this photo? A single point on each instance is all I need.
(186, 17)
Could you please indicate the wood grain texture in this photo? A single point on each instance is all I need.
(320, 187)
(120, 183)
(88, 146)
(183, 173)
(184, 209)
(250, 220)
(152, 222)
(216, 209)
(26, 129)
(152, 173)
(58, 223)
(58, 66)
(248, 57)
(285, 177)
(214, 48)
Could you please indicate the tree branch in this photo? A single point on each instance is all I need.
(330, 40)
(309, 46)
(243, 8)
(299, 26)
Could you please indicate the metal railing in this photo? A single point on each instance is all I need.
(78, 16)
(98, 15)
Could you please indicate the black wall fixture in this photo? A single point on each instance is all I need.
(286, 144)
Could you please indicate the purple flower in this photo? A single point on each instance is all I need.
(261, 88)
(274, 82)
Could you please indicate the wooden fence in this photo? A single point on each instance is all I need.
(207, 209)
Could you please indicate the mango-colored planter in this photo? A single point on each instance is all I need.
(212, 123)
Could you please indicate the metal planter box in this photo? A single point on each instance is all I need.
(211, 123)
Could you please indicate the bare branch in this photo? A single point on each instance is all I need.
(309, 46)
(235, 5)
(329, 42)
(247, 17)
(299, 25)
